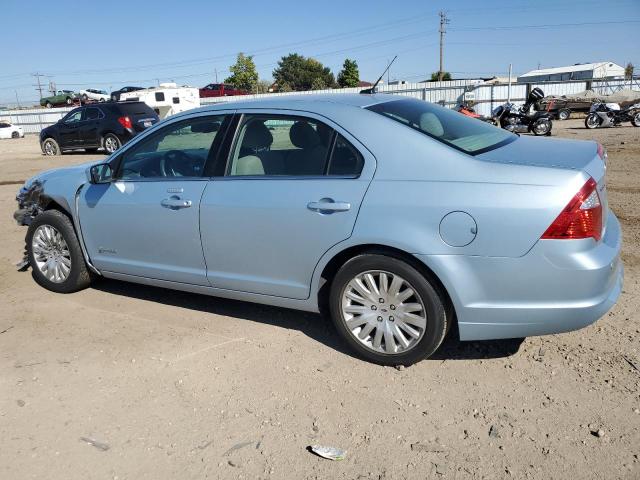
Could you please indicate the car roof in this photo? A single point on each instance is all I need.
(310, 102)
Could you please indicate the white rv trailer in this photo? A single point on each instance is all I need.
(166, 99)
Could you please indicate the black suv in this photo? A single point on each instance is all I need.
(108, 125)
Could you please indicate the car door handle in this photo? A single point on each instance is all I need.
(328, 205)
(175, 203)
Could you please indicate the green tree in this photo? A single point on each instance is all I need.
(445, 76)
(243, 73)
(628, 71)
(299, 73)
(318, 84)
(349, 76)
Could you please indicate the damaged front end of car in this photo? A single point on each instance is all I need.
(31, 203)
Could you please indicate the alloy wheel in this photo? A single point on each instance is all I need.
(49, 148)
(384, 312)
(51, 253)
(110, 144)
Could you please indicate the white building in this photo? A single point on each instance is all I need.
(585, 71)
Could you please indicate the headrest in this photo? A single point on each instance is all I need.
(257, 135)
(430, 123)
(303, 135)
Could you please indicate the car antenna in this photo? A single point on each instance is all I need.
(372, 90)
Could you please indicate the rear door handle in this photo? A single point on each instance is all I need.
(174, 202)
(328, 205)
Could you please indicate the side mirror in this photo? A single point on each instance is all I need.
(100, 173)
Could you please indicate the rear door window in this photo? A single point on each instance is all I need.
(346, 160)
(280, 145)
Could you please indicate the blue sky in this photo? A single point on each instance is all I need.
(119, 43)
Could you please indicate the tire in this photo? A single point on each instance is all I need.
(542, 127)
(15, 134)
(592, 121)
(101, 100)
(635, 121)
(433, 310)
(51, 148)
(564, 114)
(71, 273)
(69, 101)
(85, 98)
(114, 98)
(48, 105)
(111, 143)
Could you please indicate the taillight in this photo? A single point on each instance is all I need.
(125, 122)
(581, 218)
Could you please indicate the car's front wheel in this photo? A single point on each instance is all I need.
(55, 254)
(386, 310)
(69, 100)
(50, 147)
(15, 134)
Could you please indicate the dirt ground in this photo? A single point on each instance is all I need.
(132, 382)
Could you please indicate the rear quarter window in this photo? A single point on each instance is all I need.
(469, 135)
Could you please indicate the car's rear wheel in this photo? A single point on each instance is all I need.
(111, 143)
(55, 254)
(48, 105)
(386, 310)
(564, 114)
(69, 100)
(50, 147)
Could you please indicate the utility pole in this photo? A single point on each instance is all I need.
(216, 70)
(38, 86)
(443, 22)
(17, 99)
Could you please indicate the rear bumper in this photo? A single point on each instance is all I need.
(558, 286)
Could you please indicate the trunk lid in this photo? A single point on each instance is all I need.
(559, 153)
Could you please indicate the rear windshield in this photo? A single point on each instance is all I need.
(136, 108)
(447, 126)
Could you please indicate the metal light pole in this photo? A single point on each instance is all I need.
(509, 88)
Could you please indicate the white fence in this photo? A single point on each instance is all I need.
(487, 96)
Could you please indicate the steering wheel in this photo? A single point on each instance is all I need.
(171, 162)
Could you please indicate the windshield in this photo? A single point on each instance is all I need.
(459, 131)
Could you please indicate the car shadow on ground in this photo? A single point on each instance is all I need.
(311, 324)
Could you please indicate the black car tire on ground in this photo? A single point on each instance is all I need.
(79, 276)
(111, 143)
(564, 114)
(15, 135)
(48, 105)
(50, 147)
(437, 314)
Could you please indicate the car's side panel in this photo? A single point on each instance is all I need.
(127, 229)
(260, 236)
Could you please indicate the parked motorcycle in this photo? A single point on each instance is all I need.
(610, 115)
(466, 109)
(522, 120)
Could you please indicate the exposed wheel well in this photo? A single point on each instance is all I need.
(53, 205)
(329, 271)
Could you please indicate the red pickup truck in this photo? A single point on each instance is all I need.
(220, 90)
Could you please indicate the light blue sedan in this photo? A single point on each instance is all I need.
(397, 217)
